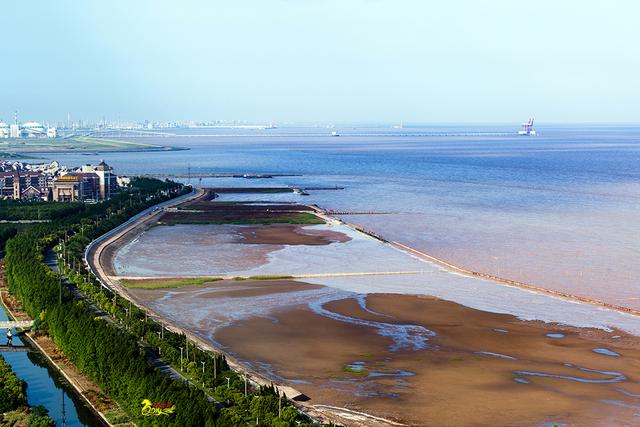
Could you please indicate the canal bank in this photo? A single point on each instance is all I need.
(46, 386)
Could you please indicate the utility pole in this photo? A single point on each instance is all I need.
(245, 383)
(202, 373)
(215, 369)
(180, 359)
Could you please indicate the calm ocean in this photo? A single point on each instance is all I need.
(561, 210)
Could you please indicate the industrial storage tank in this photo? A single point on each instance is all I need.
(33, 130)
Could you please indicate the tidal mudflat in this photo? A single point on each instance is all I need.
(356, 323)
(413, 359)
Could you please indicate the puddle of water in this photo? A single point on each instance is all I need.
(606, 352)
(502, 331)
(399, 373)
(556, 336)
(489, 353)
(357, 367)
(522, 380)
(614, 376)
(297, 381)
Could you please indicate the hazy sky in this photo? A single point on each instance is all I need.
(322, 60)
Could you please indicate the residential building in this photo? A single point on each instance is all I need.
(24, 185)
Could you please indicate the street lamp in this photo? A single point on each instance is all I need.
(202, 373)
(180, 359)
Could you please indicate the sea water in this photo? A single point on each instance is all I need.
(560, 210)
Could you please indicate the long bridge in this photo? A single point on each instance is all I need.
(118, 133)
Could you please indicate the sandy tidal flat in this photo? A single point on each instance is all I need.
(415, 359)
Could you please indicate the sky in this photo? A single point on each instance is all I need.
(321, 60)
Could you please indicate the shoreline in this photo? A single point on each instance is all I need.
(470, 273)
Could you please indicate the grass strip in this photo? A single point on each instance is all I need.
(167, 283)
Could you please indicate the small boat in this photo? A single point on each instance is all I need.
(334, 133)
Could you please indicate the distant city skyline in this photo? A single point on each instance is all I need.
(326, 61)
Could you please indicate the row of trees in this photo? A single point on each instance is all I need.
(108, 356)
(112, 355)
(13, 210)
(14, 409)
(13, 391)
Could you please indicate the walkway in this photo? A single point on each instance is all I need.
(24, 324)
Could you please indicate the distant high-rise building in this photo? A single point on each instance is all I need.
(4, 130)
(14, 131)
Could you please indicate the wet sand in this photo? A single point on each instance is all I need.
(474, 367)
(290, 234)
(187, 248)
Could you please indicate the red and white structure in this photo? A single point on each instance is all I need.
(527, 128)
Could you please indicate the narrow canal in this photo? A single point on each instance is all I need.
(47, 387)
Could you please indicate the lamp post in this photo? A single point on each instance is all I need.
(203, 362)
(180, 359)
